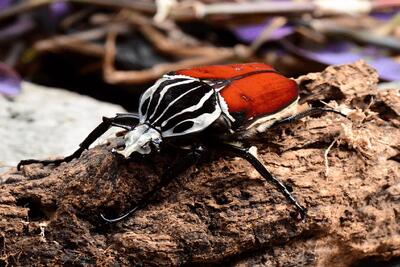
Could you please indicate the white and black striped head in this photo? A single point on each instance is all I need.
(175, 105)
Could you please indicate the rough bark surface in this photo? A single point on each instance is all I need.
(222, 212)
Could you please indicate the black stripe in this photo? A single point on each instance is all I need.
(209, 106)
(144, 107)
(188, 100)
(156, 95)
(172, 94)
(182, 127)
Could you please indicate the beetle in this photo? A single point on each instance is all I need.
(218, 106)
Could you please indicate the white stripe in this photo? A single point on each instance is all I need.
(192, 108)
(173, 102)
(148, 94)
(200, 123)
(179, 76)
(224, 107)
(164, 90)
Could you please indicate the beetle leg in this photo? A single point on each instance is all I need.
(179, 167)
(244, 153)
(310, 112)
(124, 120)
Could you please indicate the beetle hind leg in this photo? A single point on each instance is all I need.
(124, 120)
(245, 153)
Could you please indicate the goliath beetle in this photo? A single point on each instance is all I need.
(219, 106)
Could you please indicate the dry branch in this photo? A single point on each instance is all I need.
(113, 76)
(80, 42)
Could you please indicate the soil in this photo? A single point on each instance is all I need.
(346, 171)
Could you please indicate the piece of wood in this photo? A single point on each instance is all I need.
(222, 212)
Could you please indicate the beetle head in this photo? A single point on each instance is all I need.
(141, 140)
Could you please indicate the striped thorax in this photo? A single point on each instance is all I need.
(175, 105)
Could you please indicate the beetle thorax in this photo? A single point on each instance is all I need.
(141, 140)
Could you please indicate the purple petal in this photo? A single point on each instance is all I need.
(342, 53)
(10, 82)
(250, 33)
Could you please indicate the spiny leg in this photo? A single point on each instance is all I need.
(170, 174)
(245, 154)
(124, 120)
(310, 112)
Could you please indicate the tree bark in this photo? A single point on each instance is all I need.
(221, 212)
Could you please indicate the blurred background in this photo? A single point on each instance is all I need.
(64, 64)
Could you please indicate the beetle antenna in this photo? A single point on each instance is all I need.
(235, 78)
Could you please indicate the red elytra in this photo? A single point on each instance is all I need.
(255, 95)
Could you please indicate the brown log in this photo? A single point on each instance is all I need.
(222, 212)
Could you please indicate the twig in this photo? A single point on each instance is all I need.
(29, 5)
(388, 27)
(164, 45)
(78, 46)
(270, 8)
(138, 5)
(365, 36)
(80, 42)
(193, 10)
(14, 31)
(113, 76)
(75, 17)
(168, 46)
(180, 12)
(267, 31)
(161, 42)
(23, 7)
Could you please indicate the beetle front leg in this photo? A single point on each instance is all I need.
(244, 153)
(124, 120)
(171, 173)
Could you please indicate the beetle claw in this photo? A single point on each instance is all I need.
(300, 215)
